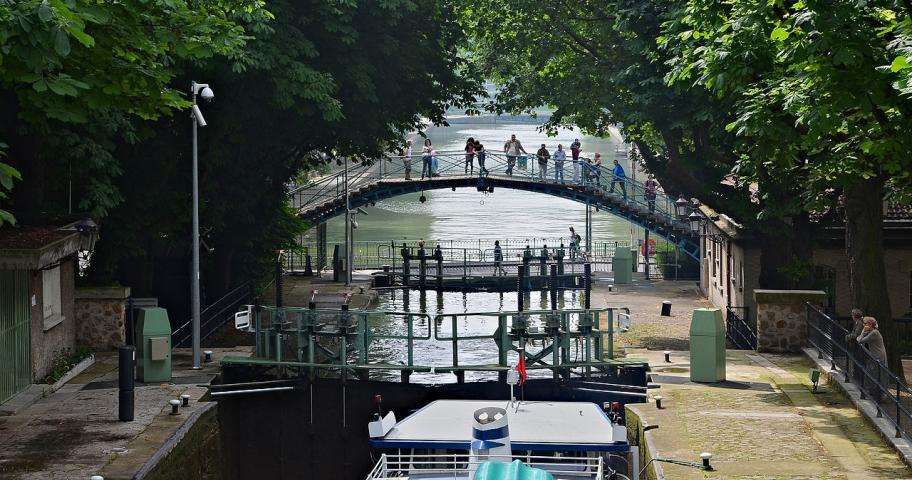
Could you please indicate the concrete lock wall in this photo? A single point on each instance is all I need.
(101, 317)
(782, 318)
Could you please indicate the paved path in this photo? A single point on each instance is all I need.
(763, 423)
(74, 433)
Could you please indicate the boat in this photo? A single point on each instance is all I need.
(484, 439)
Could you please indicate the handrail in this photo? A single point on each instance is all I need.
(213, 312)
(829, 337)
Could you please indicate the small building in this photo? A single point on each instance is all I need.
(730, 264)
(38, 267)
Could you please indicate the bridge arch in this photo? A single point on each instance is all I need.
(324, 199)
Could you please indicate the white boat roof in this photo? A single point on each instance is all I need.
(557, 426)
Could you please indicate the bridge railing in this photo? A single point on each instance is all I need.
(566, 341)
(453, 164)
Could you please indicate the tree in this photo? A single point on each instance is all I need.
(338, 78)
(823, 86)
(78, 73)
(600, 64)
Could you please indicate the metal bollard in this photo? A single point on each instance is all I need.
(175, 406)
(207, 356)
(667, 356)
(96, 477)
(185, 400)
(666, 308)
(126, 362)
(705, 456)
(658, 400)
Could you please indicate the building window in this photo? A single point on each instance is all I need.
(50, 297)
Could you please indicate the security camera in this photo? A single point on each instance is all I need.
(207, 94)
(198, 115)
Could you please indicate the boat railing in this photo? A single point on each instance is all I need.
(398, 466)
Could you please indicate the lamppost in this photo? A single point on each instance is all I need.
(203, 90)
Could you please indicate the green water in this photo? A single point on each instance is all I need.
(466, 214)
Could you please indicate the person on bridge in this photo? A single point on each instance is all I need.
(597, 170)
(512, 148)
(575, 240)
(574, 155)
(480, 152)
(470, 155)
(427, 157)
(619, 177)
(407, 159)
(543, 156)
(559, 156)
(498, 259)
(651, 190)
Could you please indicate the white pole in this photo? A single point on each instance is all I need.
(195, 275)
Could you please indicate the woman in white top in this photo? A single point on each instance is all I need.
(427, 156)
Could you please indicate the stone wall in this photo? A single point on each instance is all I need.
(101, 317)
(782, 318)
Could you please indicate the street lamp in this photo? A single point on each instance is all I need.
(681, 207)
(695, 220)
(201, 90)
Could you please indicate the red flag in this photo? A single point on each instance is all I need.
(521, 368)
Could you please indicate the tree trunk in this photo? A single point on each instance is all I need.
(865, 252)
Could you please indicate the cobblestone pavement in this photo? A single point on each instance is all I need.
(762, 423)
(74, 433)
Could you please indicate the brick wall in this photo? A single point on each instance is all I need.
(46, 344)
(898, 264)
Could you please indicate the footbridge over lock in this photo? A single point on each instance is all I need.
(366, 183)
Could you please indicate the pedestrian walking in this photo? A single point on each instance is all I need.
(470, 155)
(575, 155)
(651, 191)
(597, 170)
(873, 341)
(618, 178)
(498, 259)
(427, 158)
(559, 156)
(543, 156)
(407, 159)
(481, 154)
(512, 148)
(574, 244)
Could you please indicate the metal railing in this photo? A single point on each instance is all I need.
(214, 315)
(738, 329)
(459, 466)
(560, 341)
(891, 396)
(453, 164)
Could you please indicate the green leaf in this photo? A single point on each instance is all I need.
(62, 43)
(779, 34)
(899, 63)
(44, 12)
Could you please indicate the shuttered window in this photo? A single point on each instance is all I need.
(50, 297)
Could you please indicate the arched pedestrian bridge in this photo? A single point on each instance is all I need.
(325, 197)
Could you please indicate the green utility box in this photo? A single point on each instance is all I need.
(707, 346)
(153, 345)
(622, 265)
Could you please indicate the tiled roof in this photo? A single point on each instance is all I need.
(29, 238)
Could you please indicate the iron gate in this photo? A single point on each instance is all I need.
(15, 348)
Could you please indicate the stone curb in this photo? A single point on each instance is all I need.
(867, 409)
(648, 443)
(172, 442)
(79, 368)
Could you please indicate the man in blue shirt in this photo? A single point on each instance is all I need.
(619, 178)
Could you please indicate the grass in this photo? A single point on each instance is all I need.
(64, 361)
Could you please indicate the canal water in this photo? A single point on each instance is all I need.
(469, 216)
(465, 312)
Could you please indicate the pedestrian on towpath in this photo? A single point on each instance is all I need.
(575, 155)
(427, 157)
(470, 155)
(482, 154)
(543, 156)
(498, 259)
(512, 148)
(559, 156)
(873, 341)
(618, 178)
